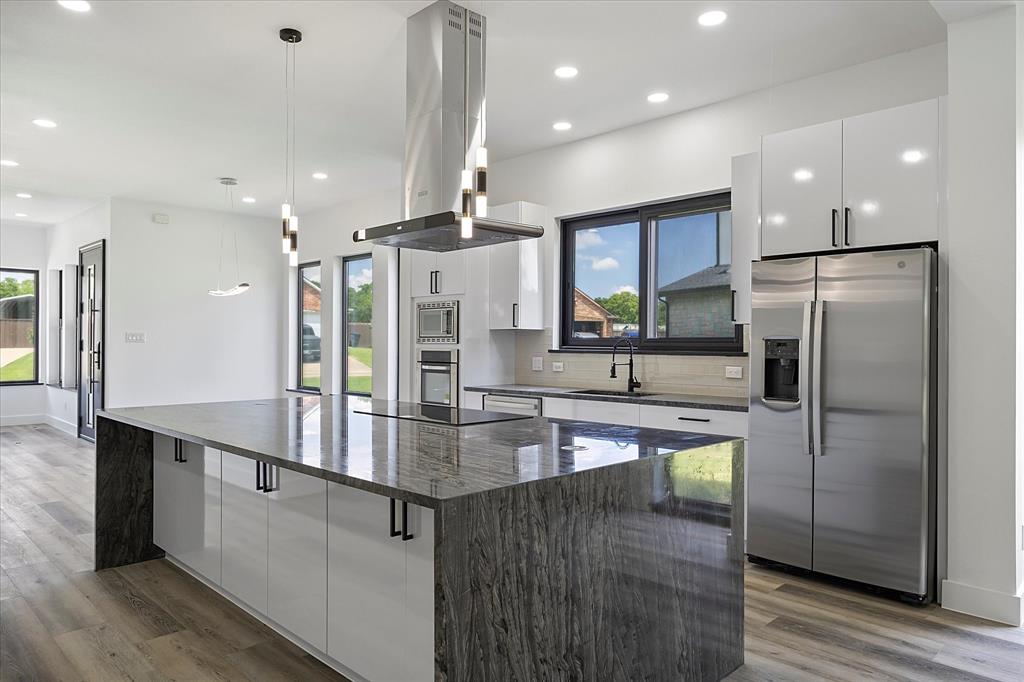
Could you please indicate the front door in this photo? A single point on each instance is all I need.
(90, 336)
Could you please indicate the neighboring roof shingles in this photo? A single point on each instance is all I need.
(708, 278)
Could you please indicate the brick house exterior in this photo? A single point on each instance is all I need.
(589, 316)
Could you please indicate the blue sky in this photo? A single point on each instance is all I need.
(607, 258)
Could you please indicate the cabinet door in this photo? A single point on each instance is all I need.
(473, 400)
(504, 285)
(801, 186)
(199, 511)
(608, 412)
(720, 422)
(365, 584)
(746, 234)
(891, 176)
(297, 591)
(451, 273)
(167, 486)
(244, 532)
(418, 646)
(422, 266)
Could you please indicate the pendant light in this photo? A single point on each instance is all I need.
(229, 205)
(289, 219)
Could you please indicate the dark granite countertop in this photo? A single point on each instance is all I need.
(701, 402)
(419, 462)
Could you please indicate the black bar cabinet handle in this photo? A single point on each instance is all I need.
(515, 314)
(437, 281)
(846, 225)
(732, 308)
(835, 214)
(693, 419)
(176, 455)
(259, 469)
(406, 536)
(394, 533)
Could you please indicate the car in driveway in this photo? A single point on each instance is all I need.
(310, 344)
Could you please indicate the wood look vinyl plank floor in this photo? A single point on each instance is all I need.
(59, 620)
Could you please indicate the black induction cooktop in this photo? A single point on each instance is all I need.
(437, 414)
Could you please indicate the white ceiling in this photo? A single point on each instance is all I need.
(156, 99)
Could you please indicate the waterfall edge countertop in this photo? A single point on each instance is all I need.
(330, 437)
(698, 402)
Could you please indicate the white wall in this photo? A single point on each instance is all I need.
(198, 347)
(983, 574)
(24, 246)
(691, 152)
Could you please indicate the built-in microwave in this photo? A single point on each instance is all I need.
(437, 322)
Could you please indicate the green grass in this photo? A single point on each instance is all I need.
(21, 369)
(363, 355)
(704, 473)
(359, 384)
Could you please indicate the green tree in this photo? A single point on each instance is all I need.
(624, 305)
(12, 287)
(360, 303)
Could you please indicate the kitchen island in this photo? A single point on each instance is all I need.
(397, 549)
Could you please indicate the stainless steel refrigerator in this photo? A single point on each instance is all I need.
(842, 417)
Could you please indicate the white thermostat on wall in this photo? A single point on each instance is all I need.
(161, 219)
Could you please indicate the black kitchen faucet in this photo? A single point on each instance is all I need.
(631, 383)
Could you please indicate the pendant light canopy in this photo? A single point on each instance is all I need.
(289, 220)
(229, 205)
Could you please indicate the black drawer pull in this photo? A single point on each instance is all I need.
(259, 471)
(394, 533)
(405, 523)
(693, 419)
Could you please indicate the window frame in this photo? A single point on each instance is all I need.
(35, 353)
(299, 386)
(344, 321)
(644, 215)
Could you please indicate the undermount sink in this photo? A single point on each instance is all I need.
(602, 391)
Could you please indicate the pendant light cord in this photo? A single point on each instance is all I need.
(291, 99)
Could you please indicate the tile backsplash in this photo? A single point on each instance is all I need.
(693, 374)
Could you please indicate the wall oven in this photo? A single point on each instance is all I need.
(439, 377)
(437, 322)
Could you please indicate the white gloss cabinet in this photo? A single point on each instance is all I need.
(746, 229)
(516, 298)
(379, 587)
(436, 274)
(244, 533)
(695, 420)
(187, 504)
(891, 176)
(801, 189)
(605, 412)
(297, 555)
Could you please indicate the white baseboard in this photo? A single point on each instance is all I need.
(984, 603)
(48, 419)
(61, 425)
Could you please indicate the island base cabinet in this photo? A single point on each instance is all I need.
(187, 504)
(244, 532)
(297, 586)
(380, 587)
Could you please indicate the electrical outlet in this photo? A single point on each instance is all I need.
(135, 337)
(557, 366)
(538, 364)
(161, 219)
(733, 372)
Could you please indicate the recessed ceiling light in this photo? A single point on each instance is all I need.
(248, 200)
(802, 175)
(45, 123)
(75, 5)
(566, 71)
(712, 18)
(319, 175)
(657, 97)
(23, 195)
(562, 125)
(913, 156)
(21, 215)
(8, 163)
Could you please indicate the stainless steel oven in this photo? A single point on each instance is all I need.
(439, 377)
(437, 322)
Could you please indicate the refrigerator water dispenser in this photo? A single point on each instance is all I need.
(782, 369)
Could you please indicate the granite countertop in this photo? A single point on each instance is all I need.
(702, 402)
(419, 462)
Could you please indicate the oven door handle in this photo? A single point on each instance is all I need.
(436, 368)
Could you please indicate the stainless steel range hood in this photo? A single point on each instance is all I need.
(444, 72)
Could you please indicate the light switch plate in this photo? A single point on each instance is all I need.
(557, 366)
(135, 337)
(538, 364)
(734, 372)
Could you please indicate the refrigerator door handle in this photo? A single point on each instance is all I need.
(819, 324)
(804, 378)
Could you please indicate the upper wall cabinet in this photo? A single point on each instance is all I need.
(870, 180)
(801, 189)
(516, 298)
(436, 274)
(746, 234)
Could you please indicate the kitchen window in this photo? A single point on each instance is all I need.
(19, 326)
(659, 275)
(357, 302)
(309, 327)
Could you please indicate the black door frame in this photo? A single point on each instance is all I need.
(102, 245)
